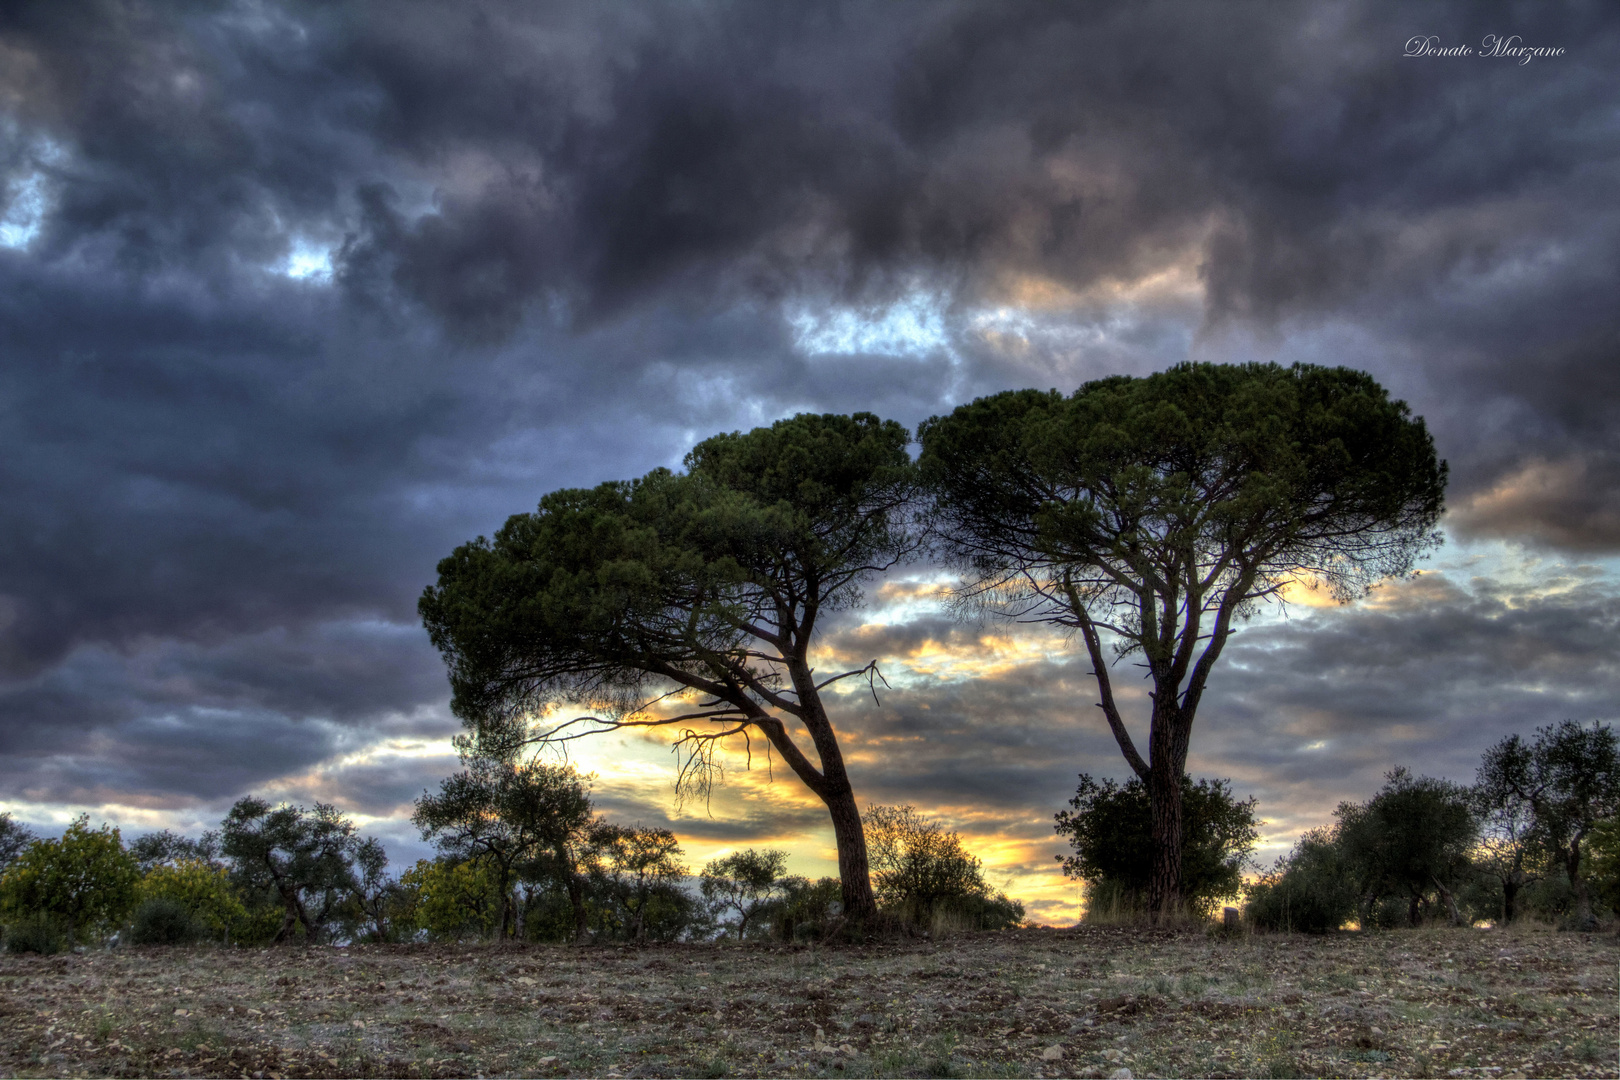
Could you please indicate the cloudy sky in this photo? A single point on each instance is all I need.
(294, 298)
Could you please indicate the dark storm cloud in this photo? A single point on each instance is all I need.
(567, 241)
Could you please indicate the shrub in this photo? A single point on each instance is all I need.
(976, 911)
(925, 877)
(1310, 890)
(201, 891)
(40, 932)
(452, 901)
(1110, 829)
(85, 880)
(806, 909)
(162, 921)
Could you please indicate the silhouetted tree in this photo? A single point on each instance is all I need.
(521, 819)
(636, 867)
(745, 883)
(686, 600)
(1415, 835)
(1157, 511)
(1311, 890)
(1508, 854)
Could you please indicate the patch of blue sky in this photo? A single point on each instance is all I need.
(308, 261)
(914, 326)
(27, 196)
(25, 212)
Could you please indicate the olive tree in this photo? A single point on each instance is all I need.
(531, 820)
(746, 883)
(304, 859)
(636, 867)
(14, 840)
(1414, 837)
(1151, 514)
(686, 600)
(1567, 779)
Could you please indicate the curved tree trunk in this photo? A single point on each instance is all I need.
(854, 872)
(835, 790)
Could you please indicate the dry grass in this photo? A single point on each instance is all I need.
(1410, 1003)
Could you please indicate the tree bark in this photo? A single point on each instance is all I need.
(1584, 919)
(854, 872)
(1510, 895)
(1167, 757)
(1164, 886)
(576, 899)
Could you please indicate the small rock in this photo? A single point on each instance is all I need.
(546, 1062)
(1120, 1074)
(182, 1012)
(845, 1048)
(1052, 1053)
(357, 1023)
(1114, 1054)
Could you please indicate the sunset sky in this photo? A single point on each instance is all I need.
(294, 298)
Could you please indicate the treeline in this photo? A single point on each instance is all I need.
(1535, 835)
(522, 855)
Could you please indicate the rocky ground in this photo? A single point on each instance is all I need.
(1045, 1003)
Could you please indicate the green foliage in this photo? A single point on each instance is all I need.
(160, 920)
(39, 932)
(452, 900)
(1158, 510)
(1412, 840)
(1311, 890)
(1603, 862)
(201, 891)
(1389, 861)
(86, 880)
(1110, 830)
(745, 884)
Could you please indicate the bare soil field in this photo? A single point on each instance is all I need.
(1042, 1003)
